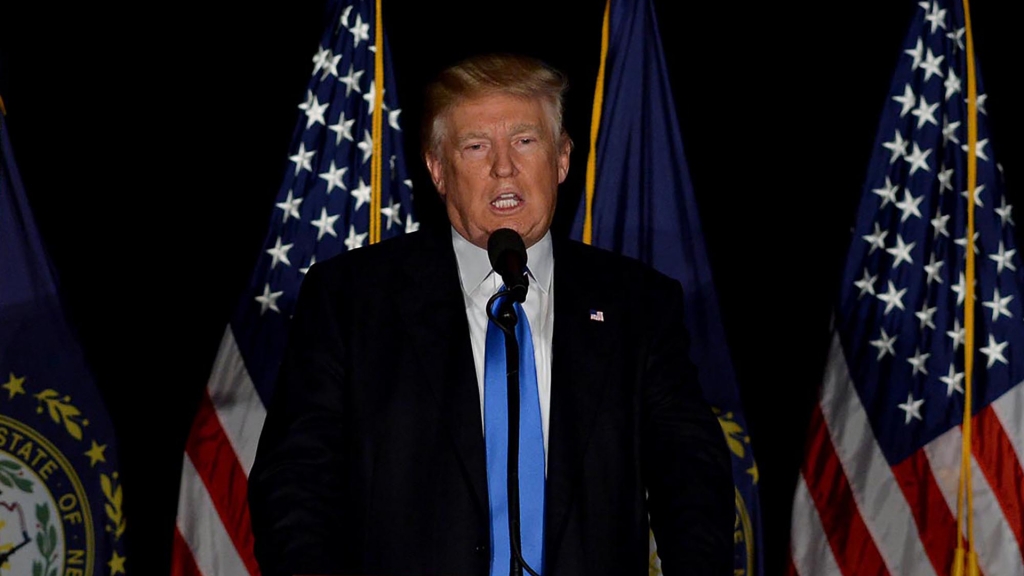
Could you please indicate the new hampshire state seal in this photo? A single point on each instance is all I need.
(60, 494)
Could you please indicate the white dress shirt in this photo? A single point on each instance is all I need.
(480, 282)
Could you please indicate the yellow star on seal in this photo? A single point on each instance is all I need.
(14, 386)
(116, 564)
(95, 454)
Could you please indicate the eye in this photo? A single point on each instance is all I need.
(527, 140)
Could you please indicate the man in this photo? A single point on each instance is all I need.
(378, 451)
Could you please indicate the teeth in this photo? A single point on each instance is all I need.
(506, 201)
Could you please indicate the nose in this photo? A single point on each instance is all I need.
(503, 165)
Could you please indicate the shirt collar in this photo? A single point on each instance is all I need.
(475, 266)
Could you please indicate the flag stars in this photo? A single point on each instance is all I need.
(1005, 212)
(932, 65)
(901, 252)
(320, 58)
(960, 288)
(994, 351)
(876, 239)
(884, 343)
(952, 84)
(330, 67)
(354, 240)
(957, 334)
(945, 177)
(279, 253)
(893, 298)
(315, 112)
(393, 119)
(998, 305)
(312, 260)
(962, 242)
(911, 408)
(917, 53)
(303, 159)
(887, 192)
(335, 177)
(909, 205)
(268, 300)
(926, 315)
(392, 213)
(957, 36)
(866, 284)
(979, 148)
(289, 207)
(325, 224)
(977, 195)
(371, 100)
(918, 159)
(342, 129)
(351, 80)
(939, 223)
(932, 271)
(362, 194)
(936, 17)
(366, 145)
(360, 31)
(925, 112)
(918, 361)
(981, 105)
(898, 147)
(410, 224)
(1003, 258)
(953, 380)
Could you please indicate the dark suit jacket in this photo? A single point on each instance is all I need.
(372, 458)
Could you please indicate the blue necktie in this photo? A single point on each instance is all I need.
(531, 446)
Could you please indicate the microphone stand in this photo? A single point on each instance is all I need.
(506, 320)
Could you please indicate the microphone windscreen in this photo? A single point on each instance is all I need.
(503, 246)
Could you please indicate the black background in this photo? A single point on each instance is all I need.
(152, 139)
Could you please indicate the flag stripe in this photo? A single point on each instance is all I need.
(852, 545)
(185, 564)
(878, 504)
(239, 409)
(210, 546)
(995, 458)
(225, 480)
(935, 521)
(809, 554)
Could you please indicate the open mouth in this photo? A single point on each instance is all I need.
(507, 201)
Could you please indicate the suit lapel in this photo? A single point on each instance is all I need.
(580, 348)
(433, 303)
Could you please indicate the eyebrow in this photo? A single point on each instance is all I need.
(515, 129)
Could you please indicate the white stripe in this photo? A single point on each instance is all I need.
(888, 517)
(238, 405)
(994, 541)
(1010, 409)
(201, 527)
(809, 546)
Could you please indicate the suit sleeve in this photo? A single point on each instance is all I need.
(686, 462)
(295, 484)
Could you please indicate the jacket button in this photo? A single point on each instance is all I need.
(481, 548)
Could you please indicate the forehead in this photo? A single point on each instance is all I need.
(489, 113)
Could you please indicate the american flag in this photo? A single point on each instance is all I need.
(878, 490)
(329, 202)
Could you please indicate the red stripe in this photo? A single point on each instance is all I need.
(936, 524)
(182, 562)
(852, 546)
(217, 464)
(998, 462)
(790, 567)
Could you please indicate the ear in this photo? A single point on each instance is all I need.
(563, 159)
(436, 169)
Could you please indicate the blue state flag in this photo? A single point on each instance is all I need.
(639, 202)
(61, 509)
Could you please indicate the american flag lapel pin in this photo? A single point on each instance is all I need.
(596, 315)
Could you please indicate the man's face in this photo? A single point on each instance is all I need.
(500, 168)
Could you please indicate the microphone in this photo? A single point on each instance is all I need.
(507, 253)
